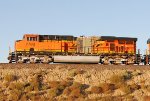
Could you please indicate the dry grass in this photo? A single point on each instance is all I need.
(53, 92)
(54, 84)
(126, 89)
(10, 77)
(74, 72)
(135, 87)
(37, 82)
(15, 95)
(67, 91)
(16, 85)
(117, 79)
(107, 87)
(96, 90)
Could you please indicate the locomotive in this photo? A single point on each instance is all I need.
(34, 48)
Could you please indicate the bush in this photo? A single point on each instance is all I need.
(16, 85)
(126, 89)
(135, 87)
(107, 87)
(96, 90)
(76, 93)
(117, 79)
(128, 75)
(15, 95)
(70, 79)
(72, 73)
(76, 85)
(66, 83)
(29, 88)
(54, 84)
(37, 82)
(67, 91)
(76, 90)
(23, 98)
(59, 85)
(80, 71)
(110, 98)
(10, 77)
(53, 92)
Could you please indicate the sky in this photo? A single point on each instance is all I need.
(122, 18)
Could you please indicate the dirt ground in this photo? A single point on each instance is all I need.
(85, 82)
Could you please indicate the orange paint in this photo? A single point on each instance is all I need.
(114, 47)
(32, 42)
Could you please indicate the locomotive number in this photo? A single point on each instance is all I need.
(30, 44)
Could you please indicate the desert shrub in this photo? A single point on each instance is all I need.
(126, 89)
(76, 93)
(87, 75)
(71, 98)
(145, 87)
(59, 85)
(16, 85)
(53, 92)
(66, 83)
(129, 98)
(81, 99)
(136, 73)
(135, 87)
(54, 84)
(119, 79)
(69, 79)
(6, 84)
(67, 91)
(107, 87)
(76, 90)
(127, 75)
(96, 90)
(37, 82)
(23, 97)
(80, 71)
(45, 87)
(29, 88)
(72, 73)
(10, 77)
(29, 95)
(76, 85)
(3, 97)
(38, 98)
(115, 79)
(15, 95)
(108, 98)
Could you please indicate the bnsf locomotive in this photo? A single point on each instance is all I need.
(35, 48)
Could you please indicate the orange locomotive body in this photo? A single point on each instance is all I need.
(50, 48)
(46, 43)
(115, 45)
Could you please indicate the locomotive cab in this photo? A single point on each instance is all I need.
(31, 37)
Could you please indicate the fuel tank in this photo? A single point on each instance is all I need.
(76, 59)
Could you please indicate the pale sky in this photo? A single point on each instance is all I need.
(127, 18)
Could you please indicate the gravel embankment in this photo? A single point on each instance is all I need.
(74, 82)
